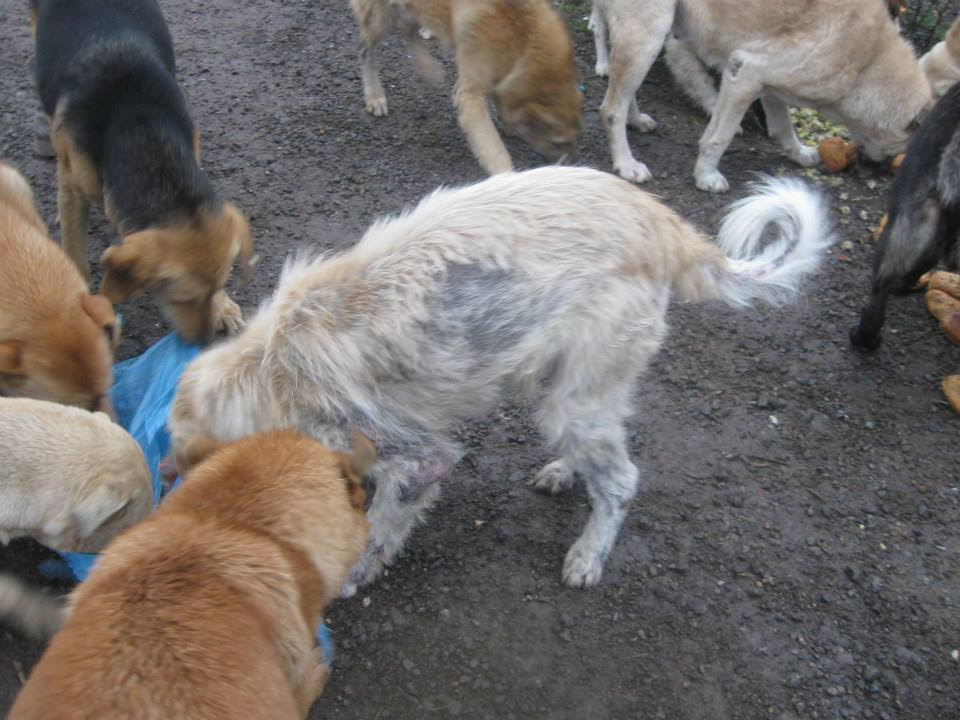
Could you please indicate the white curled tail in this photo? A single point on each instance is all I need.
(773, 271)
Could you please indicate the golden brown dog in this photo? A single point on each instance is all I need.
(123, 138)
(516, 52)
(209, 608)
(56, 339)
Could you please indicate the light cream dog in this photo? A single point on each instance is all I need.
(56, 339)
(71, 479)
(844, 58)
(208, 609)
(509, 285)
(517, 53)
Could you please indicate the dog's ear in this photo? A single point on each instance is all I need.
(101, 312)
(11, 357)
(240, 232)
(101, 503)
(356, 464)
(194, 451)
(132, 266)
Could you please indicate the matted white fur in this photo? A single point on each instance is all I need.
(552, 284)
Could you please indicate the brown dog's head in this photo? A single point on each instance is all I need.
(540, 100)
(67, 359)
(187, 264)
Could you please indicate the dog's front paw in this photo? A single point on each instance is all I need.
(632, 170)
(602, 69)
(582, 567)
(806, 156)
(712, 181)
(227, 315)
(376, 105)
(553, 478)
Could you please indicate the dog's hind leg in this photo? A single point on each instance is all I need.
(911, 244)
(740, 86)
(598, 23)
(588, 430)
(633, 48)
(781, 129)
(691, 74)
(374, 19)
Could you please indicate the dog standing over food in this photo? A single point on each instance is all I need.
(123, 137)
(208, 609)
(551, 284)
(72, 479)
(517, 53)
(56, 339)
(923, 216)
(844, 58)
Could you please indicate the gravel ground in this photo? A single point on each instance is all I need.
(796, 553)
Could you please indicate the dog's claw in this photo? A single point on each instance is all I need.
(581, 568)
(227, 315)
(642, 122)
(553, 478)
(806, 156)
(633, 170)
(377, 106)
(712, 181)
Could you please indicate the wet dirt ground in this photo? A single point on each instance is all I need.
(795, 552)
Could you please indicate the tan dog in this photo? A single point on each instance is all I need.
(124, 139)
(209, 608)
(71, 479)
(845, 58)
(56, 339)
(517, 53)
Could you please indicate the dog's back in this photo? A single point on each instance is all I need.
(208, 609)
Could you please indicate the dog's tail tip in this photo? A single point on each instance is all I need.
(30, 611)
(771, 268)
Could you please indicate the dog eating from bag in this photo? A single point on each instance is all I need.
(506, 288)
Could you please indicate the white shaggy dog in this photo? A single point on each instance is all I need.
(552, 284)
(844, 58)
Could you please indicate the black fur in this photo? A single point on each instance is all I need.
(923, 215)
(109, 66)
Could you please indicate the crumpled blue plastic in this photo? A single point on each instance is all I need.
(143, 391)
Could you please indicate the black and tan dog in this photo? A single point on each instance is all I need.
(123, 137)
(923, 211)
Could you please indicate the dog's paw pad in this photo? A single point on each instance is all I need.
(553, 478)
(642, 122)
(377, 106)
(713, 181)
(633, 170)
(582, 569)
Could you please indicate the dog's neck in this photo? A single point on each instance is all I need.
(150, 174)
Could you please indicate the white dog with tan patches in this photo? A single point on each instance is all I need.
(552, 284)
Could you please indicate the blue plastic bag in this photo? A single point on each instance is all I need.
(142, 393)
